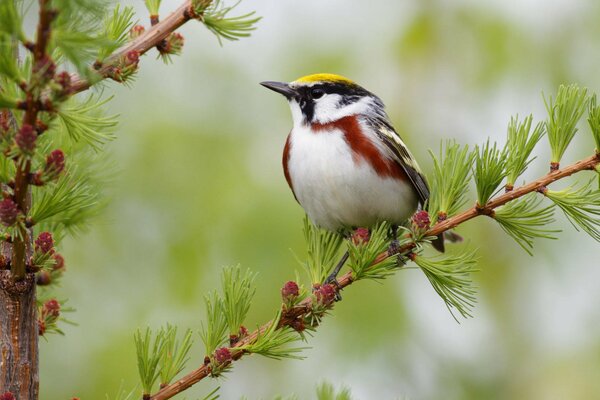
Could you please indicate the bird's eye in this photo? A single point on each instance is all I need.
(317, 93)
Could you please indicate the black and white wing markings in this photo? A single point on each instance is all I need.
(402, 155)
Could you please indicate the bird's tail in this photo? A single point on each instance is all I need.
(450, 236)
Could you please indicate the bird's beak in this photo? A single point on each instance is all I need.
(280, 87)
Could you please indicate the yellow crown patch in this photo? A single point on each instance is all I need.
(324, 78)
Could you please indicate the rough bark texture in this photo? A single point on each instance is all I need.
(19, 370)
(19, 336)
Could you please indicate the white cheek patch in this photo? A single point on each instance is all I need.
(326, 108)
(297, 116)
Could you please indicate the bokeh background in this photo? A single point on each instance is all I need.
(198, 186)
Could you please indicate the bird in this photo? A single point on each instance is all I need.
(343, 160)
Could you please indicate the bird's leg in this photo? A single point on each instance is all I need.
(332, 278)
(394, 245)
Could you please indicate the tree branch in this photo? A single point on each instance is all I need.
(146, 41)
(305, 306)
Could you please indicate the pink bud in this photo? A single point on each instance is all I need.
(132, 58)
(44, 243)
(55, 164)
(8, 212)
(222, 355)
(290, 291)
(64, 80)
(360, 236)
(26, 138)
(52, 307)
(325, 294)
(136, 31)
(7, 396)
(420, 220)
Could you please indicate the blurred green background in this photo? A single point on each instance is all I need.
(199, 186)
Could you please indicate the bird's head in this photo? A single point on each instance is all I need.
(325, 98)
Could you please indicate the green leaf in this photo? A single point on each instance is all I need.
(232, 28)
(450, 180)
(524, 221)
(85, 121)
(581, 206)
(8, 60)
(563, 114)
(326, 391)
(61, 198)
(175, 354)
(362, 255)
(123, 394)
(214, 332)
(520, 142)
(322, 251)
(594, 121)
(152, 6)
(116, 30)
(213, 395)
(238, 291)
(10, 19)
(450, 276)
(149, 354)
(274, 341)
(488, 171)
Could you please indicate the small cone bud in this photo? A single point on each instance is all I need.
(26, 138)
(420, 221)
(45, 68)
(8, 212)
(7, 396)
(55, 164)
(52, 307)
(290, 292)
(64, 80)
(222, 355)
(136, 31)
(360, 236)
(325, 294)
(44, 243)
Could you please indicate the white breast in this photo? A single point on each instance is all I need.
(338, 193)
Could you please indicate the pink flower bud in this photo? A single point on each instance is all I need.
(7, 396)
(132, 58)
(64, 80)
(45, 68)
(55, 164)
(325, 294)
(26, 138)
(136, 31)
(222, 355)
(8, 212)
(52, 307)
(360, 236)
(420, 220)
(44, 243)
(290, 291)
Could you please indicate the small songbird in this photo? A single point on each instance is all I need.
(343, 160)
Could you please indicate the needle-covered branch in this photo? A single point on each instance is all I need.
(518, 211)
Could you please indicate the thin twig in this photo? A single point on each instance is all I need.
(347, 279)
(146, 41)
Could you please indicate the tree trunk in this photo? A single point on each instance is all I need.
(19, 336)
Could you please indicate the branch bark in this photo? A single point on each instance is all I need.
(347, 279)
(146, 41)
